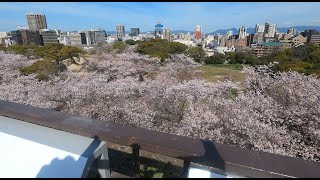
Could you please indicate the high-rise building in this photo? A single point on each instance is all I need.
(269, 30)
(135, 32)
(257, 38)
(250, 39)
(77, 38)
(30, 37)
(217, 37)
(48, 37)
(95, 36)
(36, 21)
(158, 30)
(198, 32)
(229, 33)
(166, 34)
(242, 32)
(16, 37)
(120, 31)
(259, 28)
(224, 39)
(290, 31)
(99, 37)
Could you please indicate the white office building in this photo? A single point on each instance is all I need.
(120, 31)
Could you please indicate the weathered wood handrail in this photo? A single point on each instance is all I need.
(225, 157)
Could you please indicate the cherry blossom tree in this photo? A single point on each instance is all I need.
(272, 112)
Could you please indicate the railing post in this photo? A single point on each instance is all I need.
(186, 165)
(136, 160)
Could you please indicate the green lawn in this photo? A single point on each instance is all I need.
(227, 66)
(215, 74)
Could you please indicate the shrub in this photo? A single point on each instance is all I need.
(58, 52)
(176, 48)
(196, 53)
(299, 66)
(48, 51)
(2, 47)
(160, 48)
(130, 42)
(315, 57)
(69, 51)
(43, 69)
(18, 49)
(120, 46)
(217, 58)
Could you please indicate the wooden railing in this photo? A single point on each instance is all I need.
(222, 157)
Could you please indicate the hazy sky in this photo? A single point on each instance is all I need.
(173, 15)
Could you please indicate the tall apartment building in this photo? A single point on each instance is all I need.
(135, 32)
(250, 39)
(36, 21)
(270, 30)
(259, 28)
(198, 32)
(158, 30)
(242, 32)
(231, 42)
(229, 33)
(290, 31)
(241, 42)
(120, 31)
(166, 34)
(257, 38)
(223, 40)
(217, 37)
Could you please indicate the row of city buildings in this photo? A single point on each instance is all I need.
(265, 40)
(37, 33)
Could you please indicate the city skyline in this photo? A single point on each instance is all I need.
(173, 15)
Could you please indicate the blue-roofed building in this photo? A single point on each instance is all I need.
(158, 30)
(271, 44)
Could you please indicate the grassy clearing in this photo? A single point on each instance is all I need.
(227, 66)
(215, 74)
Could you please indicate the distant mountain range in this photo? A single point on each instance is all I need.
(181, 31)
(280, 29)
(173, 31)
(235, 30)
(115, 32)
